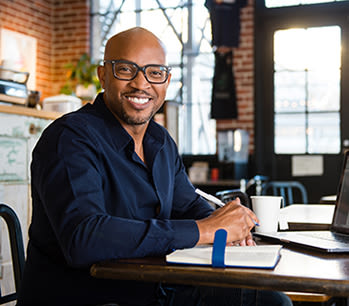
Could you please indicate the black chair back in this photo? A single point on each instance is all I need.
(231, 194)
(287, 189)
(17, 249)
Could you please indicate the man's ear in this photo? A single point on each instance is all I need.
(168, 80)
(101, 75)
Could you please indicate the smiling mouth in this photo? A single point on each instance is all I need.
(138, 100)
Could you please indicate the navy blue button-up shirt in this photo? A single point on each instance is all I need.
(94, 199)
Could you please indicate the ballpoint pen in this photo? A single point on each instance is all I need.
(215, 200)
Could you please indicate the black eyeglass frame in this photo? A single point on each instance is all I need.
(113, 62)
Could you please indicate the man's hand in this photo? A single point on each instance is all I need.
(247, 241)
(235, 218)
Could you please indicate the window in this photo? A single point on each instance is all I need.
(282, 3)
(185, 29)
(307, 70)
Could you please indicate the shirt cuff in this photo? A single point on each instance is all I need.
(186, 234)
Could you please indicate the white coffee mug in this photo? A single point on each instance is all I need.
(267, 210)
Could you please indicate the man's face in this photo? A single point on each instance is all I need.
(136, 101)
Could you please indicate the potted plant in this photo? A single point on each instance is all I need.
(82, 78)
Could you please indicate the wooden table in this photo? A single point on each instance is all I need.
(296, 271)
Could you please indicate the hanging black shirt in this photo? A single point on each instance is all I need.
(225, 22)
(223, 88)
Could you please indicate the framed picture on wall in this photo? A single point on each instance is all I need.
(18, 52)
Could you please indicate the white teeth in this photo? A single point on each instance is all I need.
(138, 100)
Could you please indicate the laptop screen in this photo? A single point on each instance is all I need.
(341, 216)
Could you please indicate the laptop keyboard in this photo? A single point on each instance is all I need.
(329, 236)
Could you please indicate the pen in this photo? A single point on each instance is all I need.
(209, 197)
(215, 200)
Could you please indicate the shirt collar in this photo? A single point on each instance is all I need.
(154, 131)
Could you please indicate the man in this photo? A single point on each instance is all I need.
(108, 182)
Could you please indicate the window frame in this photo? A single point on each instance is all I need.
(268, 20)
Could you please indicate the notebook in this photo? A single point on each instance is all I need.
(219, 255)
(335, 240)
(260, 256)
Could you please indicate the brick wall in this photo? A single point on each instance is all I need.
(62, 30)
(244, 76)
(71, 32)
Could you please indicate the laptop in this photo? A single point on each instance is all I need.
(335, 240)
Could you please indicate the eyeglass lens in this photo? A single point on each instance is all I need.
(153, 73)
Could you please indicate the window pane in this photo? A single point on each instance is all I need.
(290, 49)
(324, 133)
(307, 49)
(323, 90)
(289, 133)
(200, 143)
(281, 3)
(290, 82)
(323, 47)
(173, 91)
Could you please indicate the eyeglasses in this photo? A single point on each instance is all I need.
(127, 71)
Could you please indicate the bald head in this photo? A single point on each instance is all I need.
(121, 43)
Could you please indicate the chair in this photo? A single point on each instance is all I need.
(17, 249)
(288, 190)
(253, 186)
(231, 194)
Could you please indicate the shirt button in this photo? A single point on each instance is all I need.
(157, 209)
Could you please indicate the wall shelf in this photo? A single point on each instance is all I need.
(26, 111)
